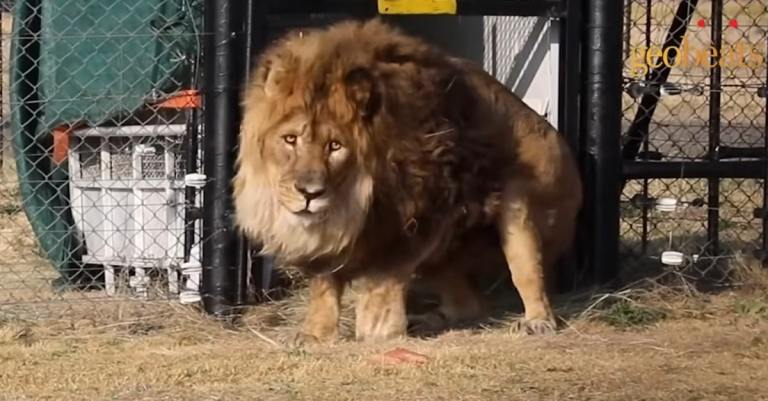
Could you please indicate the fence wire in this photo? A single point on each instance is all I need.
(99, 146)
(684, 127)
(99, 150)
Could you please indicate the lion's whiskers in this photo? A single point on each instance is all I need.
(443, 132)
(450, 84)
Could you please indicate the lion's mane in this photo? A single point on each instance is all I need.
(408, 107)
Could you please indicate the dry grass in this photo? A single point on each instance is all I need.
(649, 340)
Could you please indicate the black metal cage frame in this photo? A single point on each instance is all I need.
(589, 117)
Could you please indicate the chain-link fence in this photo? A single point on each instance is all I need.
(100, 135)
(695, 130)
(100, 183)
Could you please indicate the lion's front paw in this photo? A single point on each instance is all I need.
(303, 339)
(381, 330)
(380, 312)
(525, 326)
(381, 324)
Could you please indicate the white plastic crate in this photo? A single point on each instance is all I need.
(127, 195)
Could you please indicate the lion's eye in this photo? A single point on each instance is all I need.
(334, 146)
(290, 139)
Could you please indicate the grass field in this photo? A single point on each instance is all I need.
(647, 342)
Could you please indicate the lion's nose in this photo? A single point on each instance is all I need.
(310, 190)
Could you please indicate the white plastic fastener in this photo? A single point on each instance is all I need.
(145, 150)
(191, 273)
(666, 204)
(191, 266)
(189, 297)
(672, 258)
(195, 180)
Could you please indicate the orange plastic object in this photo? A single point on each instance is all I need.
(186, 99)
(402, 355)
(60, 143)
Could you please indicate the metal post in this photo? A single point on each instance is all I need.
(628, 28)
(191, 212)
(242, 241)
(764, 92)
(602, 123)
(223, 74)
(568, 118)
(2, 106)
(646, 140)
(570, 43)
(713, 184)
(252, 266)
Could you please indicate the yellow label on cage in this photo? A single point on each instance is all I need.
(417, 6)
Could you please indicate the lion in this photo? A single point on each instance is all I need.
(370, 156)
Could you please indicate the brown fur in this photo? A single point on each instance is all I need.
(368, 154)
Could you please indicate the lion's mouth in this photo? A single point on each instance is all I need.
(308, 211)
(305, 213)
(306, 217)
(313, 209)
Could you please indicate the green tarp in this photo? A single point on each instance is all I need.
(87, 61)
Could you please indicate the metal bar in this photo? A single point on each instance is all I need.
(646, 139)
(190, 193)
(736, 152)
(602, 119)
(3, 123)
(222, 79)
(713, 184)
(568, 106)
(348, 7)
(702, 169)
(191, 148)
(639, 127)
(627, 28)
(242, 241)
(764, 255)
(257, 31)
(524, 8)
(570, 46)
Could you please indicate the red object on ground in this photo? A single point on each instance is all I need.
(402, 355)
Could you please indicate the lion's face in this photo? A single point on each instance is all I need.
(301, 188)
(310, 164)
(304, 183)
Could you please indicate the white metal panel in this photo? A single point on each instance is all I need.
(522, 53)
(129, 206)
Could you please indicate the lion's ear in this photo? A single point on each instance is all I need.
(360, 89)
(273, 74)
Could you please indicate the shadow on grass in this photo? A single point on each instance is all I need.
(615, 304)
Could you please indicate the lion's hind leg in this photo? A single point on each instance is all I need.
(459, 301)
(521, 244)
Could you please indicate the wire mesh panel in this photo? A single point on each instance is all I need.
(99, 153)
(695, 75)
